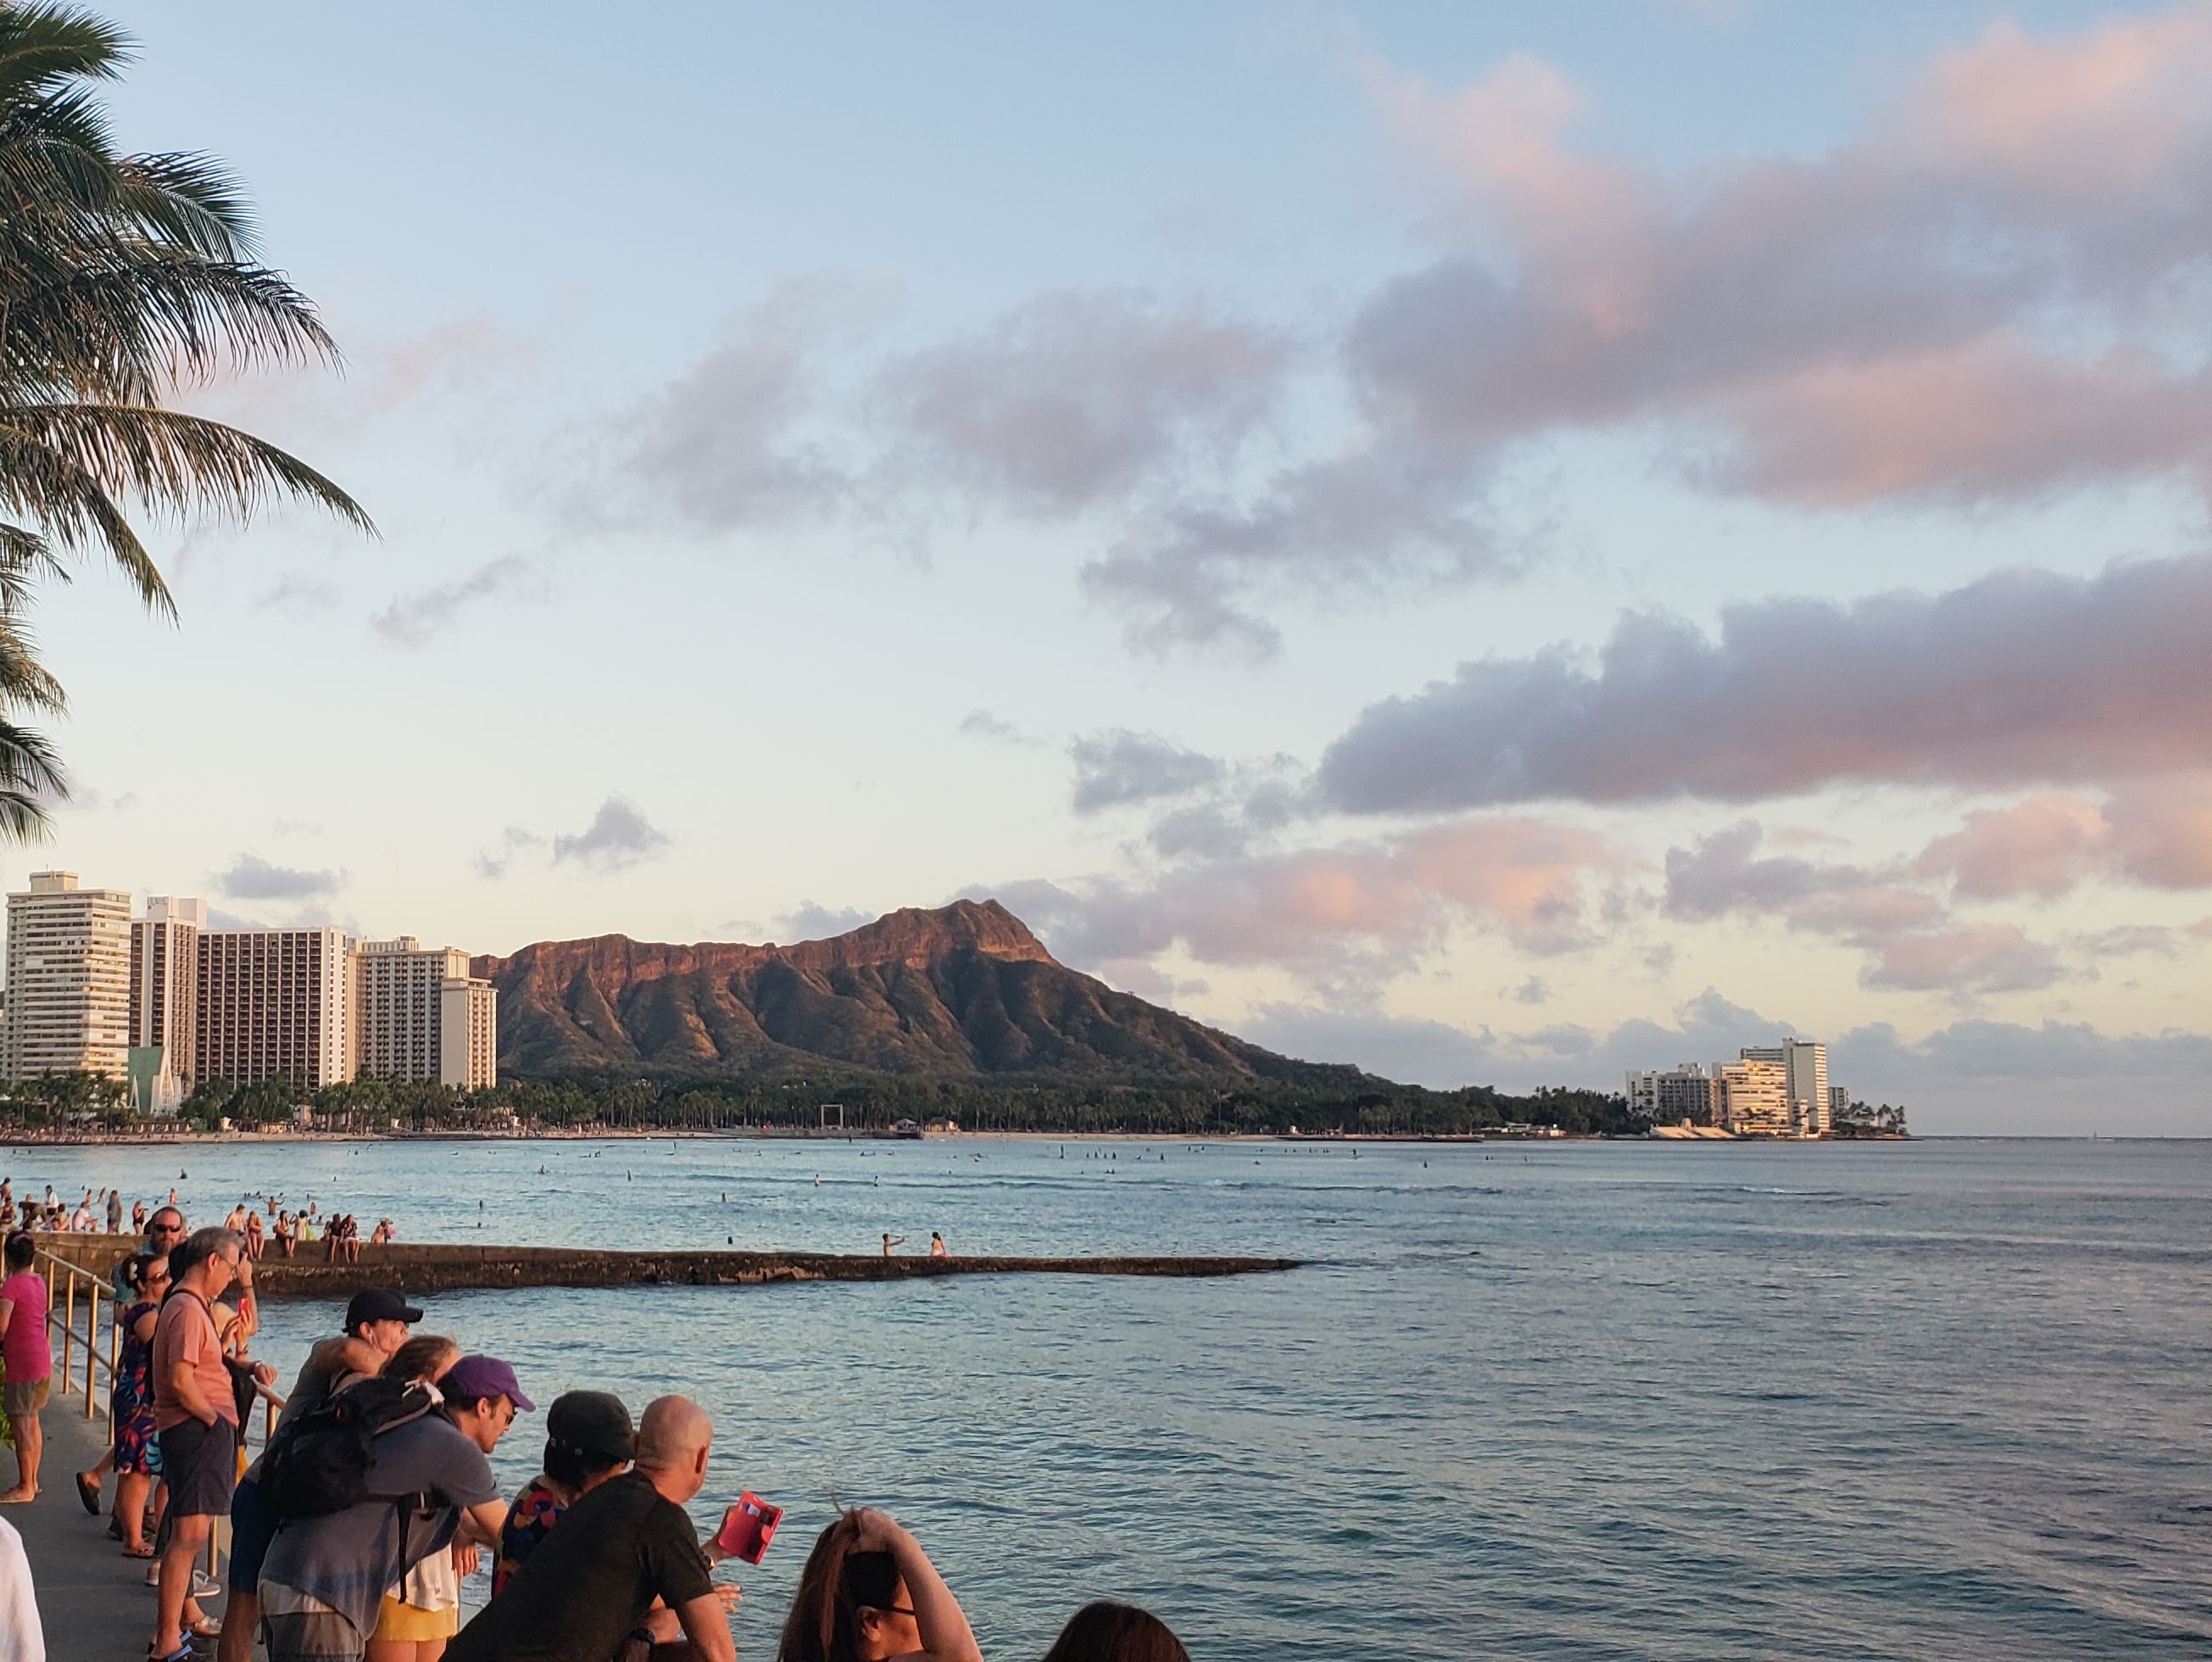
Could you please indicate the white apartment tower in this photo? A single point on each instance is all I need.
(275, 1004)
(419, 1015)
(165, 978)
(1806, 1063)
(69, 979)
(1754, 1097)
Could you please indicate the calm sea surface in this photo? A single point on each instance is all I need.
(1943, 1399)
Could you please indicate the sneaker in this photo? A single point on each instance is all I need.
(204, 1584)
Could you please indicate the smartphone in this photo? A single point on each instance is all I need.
(748, 1527)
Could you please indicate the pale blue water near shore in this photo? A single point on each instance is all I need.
(1944, 1399)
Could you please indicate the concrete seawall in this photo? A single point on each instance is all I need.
(436, 1267)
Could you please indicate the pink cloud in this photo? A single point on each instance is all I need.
(2155, 831)
(1868, 324)
(1971, 958)
(1376, 905)
(2042, 846)
(2162, 830)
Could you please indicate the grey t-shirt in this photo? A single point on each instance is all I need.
(347, 1559)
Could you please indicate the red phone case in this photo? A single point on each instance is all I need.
(750, 1528)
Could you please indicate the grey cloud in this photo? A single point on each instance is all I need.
(1531, 991)
(1911, 942)
(1078, 397)
(2018, 678)
(300, 595)
(740, 440)
(494, 863)
(251, 878)
(618, 837)
(1119, 767)
(983, 724)
(414, 620)
(1394, 512)
(808, 922)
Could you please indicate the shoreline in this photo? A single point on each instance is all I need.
(177, 1139)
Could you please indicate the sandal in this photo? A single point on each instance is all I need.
(88, 1492)
(208, 1627)
(182, 1653)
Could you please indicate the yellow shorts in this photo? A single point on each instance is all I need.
(404, 1622)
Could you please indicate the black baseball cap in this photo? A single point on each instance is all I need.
(379, 1303)
(591, 1424)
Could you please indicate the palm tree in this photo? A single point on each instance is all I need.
(121, 277)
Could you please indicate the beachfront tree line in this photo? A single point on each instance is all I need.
(860, 1102)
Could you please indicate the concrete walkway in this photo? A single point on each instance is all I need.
(94, 1602)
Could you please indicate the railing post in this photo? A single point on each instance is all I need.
(91, 1344)
(114, 1341)
(68, 1327)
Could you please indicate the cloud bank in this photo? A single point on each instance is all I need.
(2021, 678)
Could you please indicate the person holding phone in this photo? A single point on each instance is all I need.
(587, 1586)
(869, 1594)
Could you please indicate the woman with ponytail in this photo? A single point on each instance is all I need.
(869, 1594)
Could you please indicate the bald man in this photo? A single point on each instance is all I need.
(593, 1582)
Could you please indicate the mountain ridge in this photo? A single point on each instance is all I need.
(961, 991)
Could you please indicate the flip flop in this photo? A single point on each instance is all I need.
(208, 1627)
(89, 1494)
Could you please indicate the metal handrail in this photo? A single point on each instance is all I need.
(96, 1285)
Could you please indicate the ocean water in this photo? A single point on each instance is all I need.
(1938, 1399)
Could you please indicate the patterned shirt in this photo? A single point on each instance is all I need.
(529, 1520)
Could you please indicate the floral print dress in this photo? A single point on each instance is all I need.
(130, 1403)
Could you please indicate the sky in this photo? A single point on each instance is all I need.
(1500, 544)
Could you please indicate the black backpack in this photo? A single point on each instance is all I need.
(319, 1463)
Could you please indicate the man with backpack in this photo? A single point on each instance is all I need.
(377, 1321)
(367, 1485)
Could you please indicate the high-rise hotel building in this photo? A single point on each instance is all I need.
(275, 1004)
(419, 1014)
(69, 979)
(165, 979)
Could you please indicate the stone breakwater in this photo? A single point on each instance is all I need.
(435, 1267)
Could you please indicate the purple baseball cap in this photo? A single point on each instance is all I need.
(483, 1376)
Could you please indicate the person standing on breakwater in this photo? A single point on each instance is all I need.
(890, 1241)
(591, 1582)
(28, 1357)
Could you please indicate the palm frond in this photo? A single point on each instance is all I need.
(126, 332)
(42, 46)
(31, 775)
(77, 506)
(188, 201)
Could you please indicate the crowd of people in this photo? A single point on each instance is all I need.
(351, 1532)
